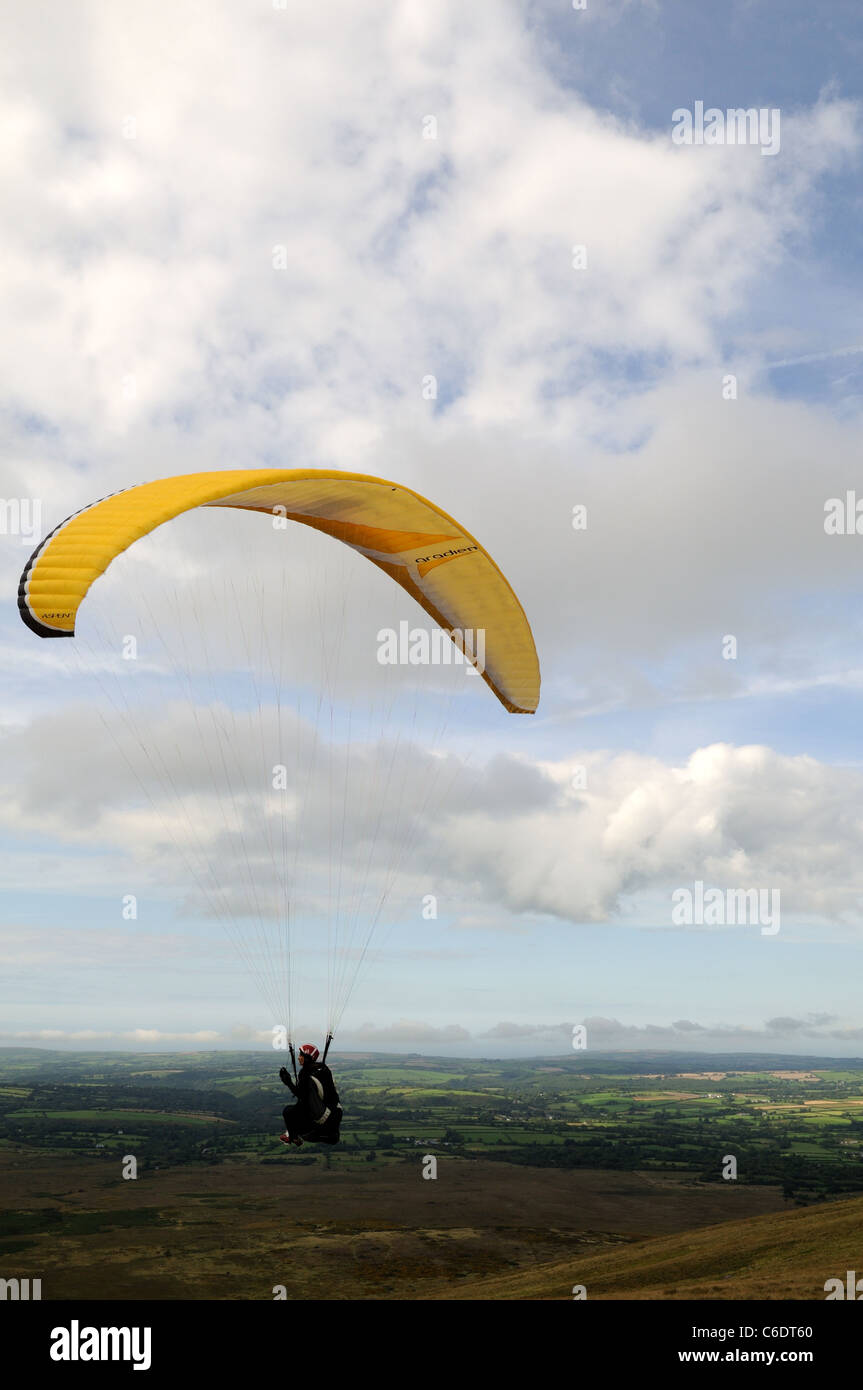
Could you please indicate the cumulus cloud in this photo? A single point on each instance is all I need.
(734, 817)
(393, 242)
(737, 818)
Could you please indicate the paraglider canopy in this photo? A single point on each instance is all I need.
(423, 549)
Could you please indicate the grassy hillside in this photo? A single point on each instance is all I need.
(237, 1229)
(786, 1255)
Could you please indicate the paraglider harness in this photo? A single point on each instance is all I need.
(323, 1098)
(320, 1097)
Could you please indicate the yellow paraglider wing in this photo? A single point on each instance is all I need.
(422, 548)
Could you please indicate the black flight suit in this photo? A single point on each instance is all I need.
(300, 1119)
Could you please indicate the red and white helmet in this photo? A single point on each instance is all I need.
(309, 1050)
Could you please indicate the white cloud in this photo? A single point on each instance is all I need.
(733, 817)
(518, 840)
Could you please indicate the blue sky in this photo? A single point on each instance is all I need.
(150, 333)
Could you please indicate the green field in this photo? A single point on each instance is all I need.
(791, 1128)
(118, 1116)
